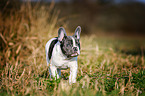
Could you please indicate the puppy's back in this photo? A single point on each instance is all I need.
(49, 48)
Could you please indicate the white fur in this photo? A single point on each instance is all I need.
(59, 60)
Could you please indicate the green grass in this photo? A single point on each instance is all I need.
(107, 65)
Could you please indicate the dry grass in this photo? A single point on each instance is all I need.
(23, 36)
(103, 68)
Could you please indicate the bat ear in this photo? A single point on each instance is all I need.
(77, 32)
(61, 33)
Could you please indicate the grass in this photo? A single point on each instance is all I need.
(107, 66)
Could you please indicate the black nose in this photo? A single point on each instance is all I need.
(75, 49)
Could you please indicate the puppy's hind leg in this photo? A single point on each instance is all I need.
(50, 73)
(59, 71)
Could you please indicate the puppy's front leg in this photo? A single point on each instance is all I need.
(53, 71)
(73, 72)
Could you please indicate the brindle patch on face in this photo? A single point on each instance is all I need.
(66, 46)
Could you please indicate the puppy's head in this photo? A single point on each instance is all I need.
(70, 45)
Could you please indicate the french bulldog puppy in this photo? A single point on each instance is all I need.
(62, 52)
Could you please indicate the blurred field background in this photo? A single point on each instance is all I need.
(112, 47)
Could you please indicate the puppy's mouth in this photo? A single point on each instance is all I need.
(74, 54)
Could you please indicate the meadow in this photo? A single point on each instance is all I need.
(108, 65)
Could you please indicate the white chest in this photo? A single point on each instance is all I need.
(59, 59)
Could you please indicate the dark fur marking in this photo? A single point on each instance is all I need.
(51, 47)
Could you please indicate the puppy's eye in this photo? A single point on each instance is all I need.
(77, 41)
